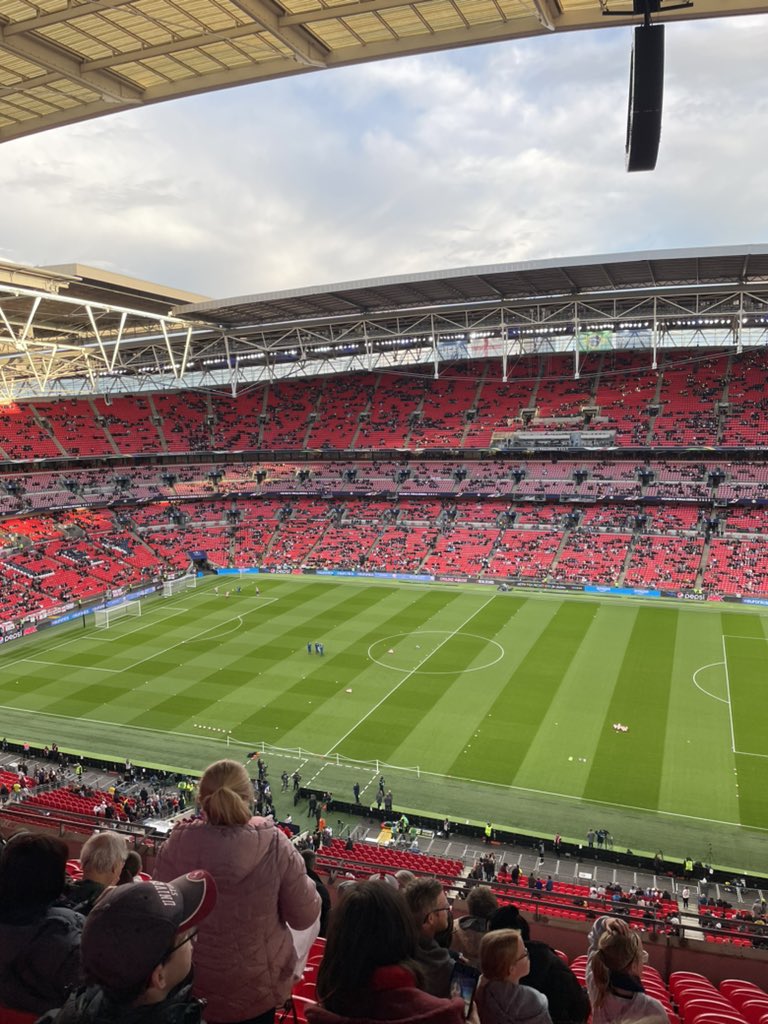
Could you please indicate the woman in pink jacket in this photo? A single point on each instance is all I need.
(244, 958)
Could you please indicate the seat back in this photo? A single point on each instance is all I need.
(8, 1016)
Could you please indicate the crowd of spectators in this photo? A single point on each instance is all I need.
(222, 930)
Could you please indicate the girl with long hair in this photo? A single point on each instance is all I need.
(614, 975)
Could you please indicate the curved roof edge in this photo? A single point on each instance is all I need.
(492, 282)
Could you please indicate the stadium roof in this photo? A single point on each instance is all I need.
(507, 283)
(64, 61)
(76, 330)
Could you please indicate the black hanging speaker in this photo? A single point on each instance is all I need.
(646, 97)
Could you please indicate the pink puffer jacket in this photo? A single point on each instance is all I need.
(244, 956)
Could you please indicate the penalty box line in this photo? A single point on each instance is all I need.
(76, 640)
(734, 636)
(181, 643)
(135, 664)
(101, 638)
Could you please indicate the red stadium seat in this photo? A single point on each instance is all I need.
(17, 1016)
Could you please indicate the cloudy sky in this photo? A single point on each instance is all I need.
(504, 152)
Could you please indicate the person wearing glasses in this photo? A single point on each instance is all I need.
(568, 1002)
(500, 997)
(370, 970)
(136, 954)
(433, 918)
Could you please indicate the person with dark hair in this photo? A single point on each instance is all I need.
(310, 859)
(245, 957)
(131, 868)
(137, 954)
(568, 1002)
(469, 930)
(433, 920)
(39, 942)
(369, 971)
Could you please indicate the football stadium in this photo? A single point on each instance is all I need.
(482, 550)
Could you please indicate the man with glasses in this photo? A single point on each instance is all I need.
(433, 918)
(136, 954)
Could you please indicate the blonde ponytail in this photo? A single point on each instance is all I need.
(225, 794)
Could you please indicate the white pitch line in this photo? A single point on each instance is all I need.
(728, 691)
(138, 629)
(112, 725)
(712, 664)
(409, 674)
(156, 654)
(436, 775)
(75, 668)
(589, 800)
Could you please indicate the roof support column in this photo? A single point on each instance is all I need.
(654, 334)
(575, 341)
(504, 346)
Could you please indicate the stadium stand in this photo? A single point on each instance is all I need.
(599, 518)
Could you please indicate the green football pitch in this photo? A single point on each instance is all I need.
(472, 703)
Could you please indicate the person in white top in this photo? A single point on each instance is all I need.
(614, 970)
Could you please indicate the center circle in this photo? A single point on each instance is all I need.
(403, 652)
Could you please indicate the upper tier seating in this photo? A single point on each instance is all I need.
(701, 398)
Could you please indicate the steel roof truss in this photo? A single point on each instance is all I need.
(304, 46)
(53, 58)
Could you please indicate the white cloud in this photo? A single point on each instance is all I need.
(511, 151)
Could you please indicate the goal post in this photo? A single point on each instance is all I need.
(104, 617)
(177, 586)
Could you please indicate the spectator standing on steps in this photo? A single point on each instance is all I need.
(686, 895)
(245, 956)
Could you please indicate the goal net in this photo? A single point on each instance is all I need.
(171, 587)
(104, 617)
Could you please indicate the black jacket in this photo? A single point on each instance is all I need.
(39, 958)
(91, 1005)
(568, 1001)
(82, 895)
